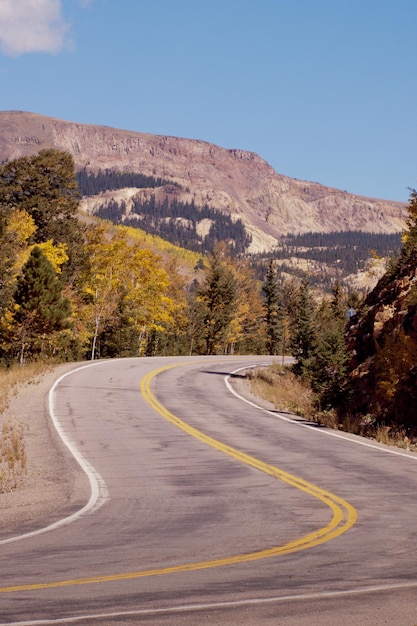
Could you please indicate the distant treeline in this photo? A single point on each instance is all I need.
(173, 220)
(382, 243)
(347, 250)
(92, 184)
(339, 253)
(177, 222)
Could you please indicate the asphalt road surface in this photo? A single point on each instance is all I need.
(199, 508)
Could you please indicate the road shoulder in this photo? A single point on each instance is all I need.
(54, 484)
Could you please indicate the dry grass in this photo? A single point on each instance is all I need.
(16, 375)
(12, 433)
(288, 393)
(285, 391)
(391, 437)
(12, 456)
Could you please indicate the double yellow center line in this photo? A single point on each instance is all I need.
(343, 513)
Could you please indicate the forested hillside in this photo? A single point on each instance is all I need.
(198, 228)
(326, 257)
(71, 291)
(348, 249)
(184, 224)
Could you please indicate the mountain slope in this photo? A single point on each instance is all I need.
(235, 181)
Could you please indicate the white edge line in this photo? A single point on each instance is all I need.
(189, 608)
(322, 431)
(99, 491)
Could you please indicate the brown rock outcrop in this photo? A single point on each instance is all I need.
(383, 348)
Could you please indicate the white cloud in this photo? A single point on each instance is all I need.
(32, 26)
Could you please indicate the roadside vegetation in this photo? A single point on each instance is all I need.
(355, 358)
(281, 387)
(288, 393)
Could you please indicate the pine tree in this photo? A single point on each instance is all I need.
(338, 303)
(303, 330)
(410, 236)
(217, 297)
(8, 253)
(274, 311)
(329, 363)
(40, 308)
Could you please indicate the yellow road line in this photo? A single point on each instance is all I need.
(344, 514)
(343, 518)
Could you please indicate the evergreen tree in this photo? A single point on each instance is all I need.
(118, 337)
(410, 236)
(217, 297)
(274, 311)
(338, 303)
(40, 308)
(329, 363)
(8, 254)
(45, 187)
(303, 330)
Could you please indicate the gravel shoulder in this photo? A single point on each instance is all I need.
(54, 485)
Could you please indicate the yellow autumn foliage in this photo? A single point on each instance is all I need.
(55, 253)
(21, 225)
(122, 271)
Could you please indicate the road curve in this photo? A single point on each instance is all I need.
(202, 503)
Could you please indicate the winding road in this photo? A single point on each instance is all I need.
(197, 506)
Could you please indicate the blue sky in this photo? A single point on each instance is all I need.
(324, 90)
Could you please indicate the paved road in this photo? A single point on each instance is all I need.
(230, 516)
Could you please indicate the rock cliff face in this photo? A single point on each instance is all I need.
(235, 181)
(390, 308)
(383, 349)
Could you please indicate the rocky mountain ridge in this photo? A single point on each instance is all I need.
(235, 181)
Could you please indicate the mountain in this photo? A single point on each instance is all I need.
(233, 181)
